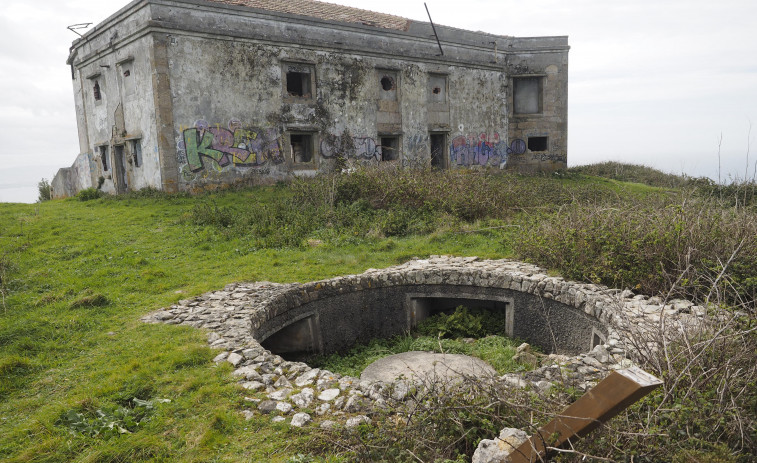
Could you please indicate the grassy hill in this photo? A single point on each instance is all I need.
(76, 276)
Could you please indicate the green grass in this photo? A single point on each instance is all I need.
(495, 350)
(76, 276)
(83, 273)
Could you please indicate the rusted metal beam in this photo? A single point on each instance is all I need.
(612, 395)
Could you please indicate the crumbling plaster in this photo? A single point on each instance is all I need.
(210, 105)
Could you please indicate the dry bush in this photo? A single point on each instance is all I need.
(675, 247)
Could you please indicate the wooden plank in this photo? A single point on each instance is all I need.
(615, 393)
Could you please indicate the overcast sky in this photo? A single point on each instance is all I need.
(654, 82)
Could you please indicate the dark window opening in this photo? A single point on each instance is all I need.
(104, 157)
(298, 84)
(596, 341)
(127, 73)
(537, 144)
(437, 90)
(136, 150)
(438, 145)
(527, 95)
(96, 91)
(387, 83)
(390, 148)
(302, 148)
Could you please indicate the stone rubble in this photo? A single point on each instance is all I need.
(233, 315)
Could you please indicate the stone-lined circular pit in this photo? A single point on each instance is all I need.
(562, 317)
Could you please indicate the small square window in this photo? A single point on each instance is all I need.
(390, 148)
(128, 79)
(437, 88)
(538, 144)
(298, 81)
(302, 148)
(527, 95)
(136, 151)
(387, 84)
(104, 156)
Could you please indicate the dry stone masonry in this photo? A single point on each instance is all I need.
(244, 318)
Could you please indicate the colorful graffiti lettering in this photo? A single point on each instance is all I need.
(482, 150)
(352, 147)
(237, 145)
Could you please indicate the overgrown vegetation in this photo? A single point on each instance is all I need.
(43, 187)
(442, 333)
(76, 276)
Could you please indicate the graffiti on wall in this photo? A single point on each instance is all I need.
(236, 145)
(350, 147)
(417, 143)
(549, 157)
(483, 150)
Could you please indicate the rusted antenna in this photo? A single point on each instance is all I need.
(434, 29)
(74, 28)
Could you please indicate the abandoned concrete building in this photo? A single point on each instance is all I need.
(183, 95)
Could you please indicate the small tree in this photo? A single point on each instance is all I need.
(44, 190)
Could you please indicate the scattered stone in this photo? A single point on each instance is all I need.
(248, 414)
(322, 409)
(267, 406)
(498, 450)
(301, 419)
(247, 373)
(357, 421)
(284, 407)
(304, 398)
(282, 382)
(328, 395)
(280, 394)
(307, 378)
(278, 419)
(354, 404)
(234, 358)
(253, 385)
(220, 357)
(328, 424)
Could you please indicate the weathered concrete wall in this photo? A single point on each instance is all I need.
(342, 320)
(551, 119)
(70, 180)
(203, 87)
(120, 124)
(233, 117)
(223, 138)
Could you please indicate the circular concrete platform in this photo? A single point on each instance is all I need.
(426, 366)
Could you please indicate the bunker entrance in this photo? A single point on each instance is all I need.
(423, 307)
(295, 341)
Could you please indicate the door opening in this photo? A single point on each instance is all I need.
(438, 151)
(122, 186)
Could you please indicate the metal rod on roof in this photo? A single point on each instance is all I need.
(434, 29)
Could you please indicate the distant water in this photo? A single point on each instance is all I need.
(19, 184)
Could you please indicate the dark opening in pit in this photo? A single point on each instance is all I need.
(422, 308)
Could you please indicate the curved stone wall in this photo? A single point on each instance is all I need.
(591, 323)
(331, 315)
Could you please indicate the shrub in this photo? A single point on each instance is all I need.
(654, 247)
(44, 190)
(88, 194)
